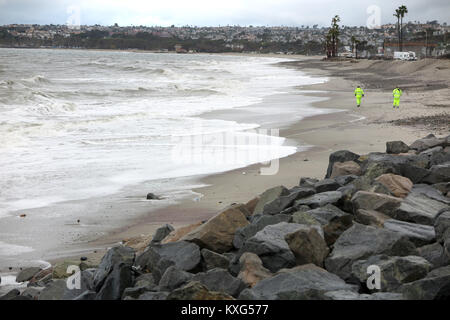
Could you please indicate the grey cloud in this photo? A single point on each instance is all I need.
(261, 12)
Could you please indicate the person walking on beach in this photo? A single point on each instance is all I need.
(359, 93)
(397, 93)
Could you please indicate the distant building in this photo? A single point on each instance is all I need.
(179, 49)
(422, 49)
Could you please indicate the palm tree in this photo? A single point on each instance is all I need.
(334, 33)
(397, 15)
(403, 12)
(355, 44)
(353, 40)
(331, 39)
(328, 45)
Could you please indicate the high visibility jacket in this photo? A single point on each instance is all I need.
(359, 92)
(397, 93)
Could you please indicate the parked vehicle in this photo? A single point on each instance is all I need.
(407, 55)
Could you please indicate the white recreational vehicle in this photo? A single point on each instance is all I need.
(408, 55)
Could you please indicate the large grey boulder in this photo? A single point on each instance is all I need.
(418, 234)
(157, 258)
(87, 295)
(220, 280)
(307, 282)
(54, 290)
(430, 192)
(434, 253)
(217, 233)
(156, 295)
(320, 199)
(394, 271)
(443, 187)
(270, 245)
(259, 223)
(371, 218)
(438, 157)
(135, 292)
(360, 242)
(346, 179)
(10, 295)
(195, 290)
(442, 226)
(143, 283)
(375, 169)
(117, 281)
(281, 203)
(333, 220)
(161, 233)
(418, 208)
(145, 280)
(414, 173)
(114, 256)
(410, 166)
(32, 292)
(174, 278)
(428, 142)
(397, 161)
(435, 286)
(27, 273)
(438, 173)
(396, 147)
(213, 260)
(269, 196)
(308, 246)
(375, 201)
(351, 295)
(85, 278)
(327, 185)
(340, 156)
(308, 182)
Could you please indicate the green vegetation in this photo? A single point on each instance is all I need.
(96, 39)
(400, 14)
(331, 39)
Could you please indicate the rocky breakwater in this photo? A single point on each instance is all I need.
(313, 241)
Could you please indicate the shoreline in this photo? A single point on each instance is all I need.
(129, 201)
(325, 132)
(331, 132)
(275, 55)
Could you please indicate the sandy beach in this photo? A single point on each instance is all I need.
(425, 98)
(424, 109)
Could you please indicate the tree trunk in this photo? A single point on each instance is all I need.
(401, 34)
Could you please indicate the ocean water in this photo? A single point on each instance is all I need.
(81, 124)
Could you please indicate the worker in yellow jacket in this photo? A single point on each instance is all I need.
(397, 93)
(359, 93)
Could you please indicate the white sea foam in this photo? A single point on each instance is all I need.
(89, 123)
(7, 249)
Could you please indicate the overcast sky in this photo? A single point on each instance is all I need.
(216, 12)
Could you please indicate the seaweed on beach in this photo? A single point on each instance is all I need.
(437, 122)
